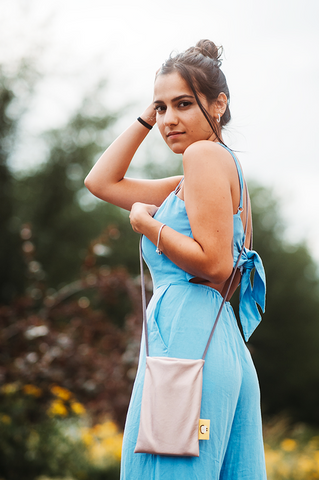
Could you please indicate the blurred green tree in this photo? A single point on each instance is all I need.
(15, 89)
(286, 344)
(64, 216)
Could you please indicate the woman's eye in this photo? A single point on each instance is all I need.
(159, 108)
(185, 104)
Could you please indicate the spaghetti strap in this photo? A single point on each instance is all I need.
(240, 176)
(179, 186)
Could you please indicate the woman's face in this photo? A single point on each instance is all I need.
(178, 116)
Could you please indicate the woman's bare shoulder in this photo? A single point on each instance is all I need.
(206, 147)
(210, 168)
(205, 155)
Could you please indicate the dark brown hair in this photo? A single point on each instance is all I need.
(199, 66)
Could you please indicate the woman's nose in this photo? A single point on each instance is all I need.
(170, 117)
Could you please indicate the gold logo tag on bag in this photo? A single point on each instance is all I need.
(203, 429)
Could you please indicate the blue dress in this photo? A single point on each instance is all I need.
(180, 317)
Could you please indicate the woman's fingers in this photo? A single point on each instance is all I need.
(140, 214)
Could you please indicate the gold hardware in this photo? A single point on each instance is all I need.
(203, 429)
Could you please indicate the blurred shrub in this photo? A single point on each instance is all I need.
(285, 344)
(36, 442)
(103, 442)
(70, 341)
(292, 451)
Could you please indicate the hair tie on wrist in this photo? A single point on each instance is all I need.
(158, 239)
(147, 125)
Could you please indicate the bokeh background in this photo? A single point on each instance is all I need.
(73, 74)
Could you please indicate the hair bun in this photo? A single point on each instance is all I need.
(209, 49)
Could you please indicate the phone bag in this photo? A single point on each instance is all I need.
(172, 392)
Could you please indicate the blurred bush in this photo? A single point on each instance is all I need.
(285, 346)
(72, 338)
(292, 451)
(34, 441)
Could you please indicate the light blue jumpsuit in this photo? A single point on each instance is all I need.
(180, 318)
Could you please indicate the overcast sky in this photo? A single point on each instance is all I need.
(271, 63)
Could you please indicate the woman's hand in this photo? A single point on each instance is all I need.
(140, 216)
(149, 115)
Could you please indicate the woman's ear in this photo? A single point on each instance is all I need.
(221, 104)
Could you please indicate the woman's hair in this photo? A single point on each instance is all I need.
(199, 66)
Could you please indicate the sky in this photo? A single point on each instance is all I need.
(271, 63)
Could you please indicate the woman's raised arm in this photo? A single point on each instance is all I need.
(107, 179)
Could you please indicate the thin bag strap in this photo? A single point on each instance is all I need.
(143, 297)
(224, 299)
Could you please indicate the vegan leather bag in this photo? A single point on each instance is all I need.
(172, 392)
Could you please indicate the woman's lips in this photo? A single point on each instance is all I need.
(174, 134)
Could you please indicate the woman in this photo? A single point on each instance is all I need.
(196, 221)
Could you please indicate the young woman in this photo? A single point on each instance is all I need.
(196, 222)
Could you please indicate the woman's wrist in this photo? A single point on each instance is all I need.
(145, 124)
(158, 250)
(141, 218)
(149, 116)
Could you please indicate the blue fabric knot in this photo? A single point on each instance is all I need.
(251, 295)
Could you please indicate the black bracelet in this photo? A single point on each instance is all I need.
(147, 125)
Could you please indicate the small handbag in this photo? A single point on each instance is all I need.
(172, 392)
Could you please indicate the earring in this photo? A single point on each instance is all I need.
(218, 119)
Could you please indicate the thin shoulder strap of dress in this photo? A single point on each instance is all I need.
(241, 183)
(240, 175)
(179, 186)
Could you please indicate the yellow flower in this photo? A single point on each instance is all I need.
(314, 442)
(273, 459)
(283, 469)
(78, 408)
(61, 392)
(57, 408)
(97, 452)
(32, 390)
(87, 437)
(113, 446)
(104, 442)
(9, 388)
(305, 464)
(105, 429)
(5, 419)
(288, 445)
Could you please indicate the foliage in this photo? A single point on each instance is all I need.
(47, 446)
(103, 442)
(292, 452)
(63, 215)
(72, 338)
(17, 83)
(285, 345)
